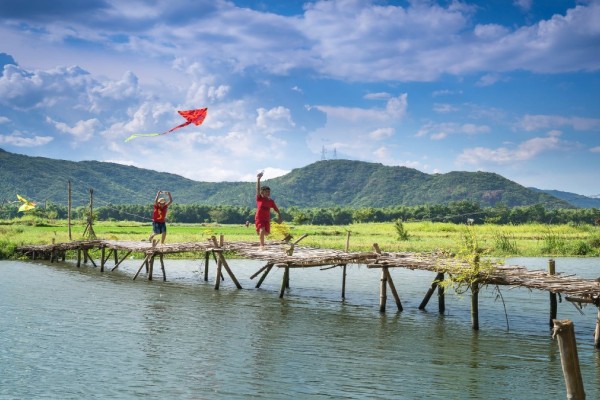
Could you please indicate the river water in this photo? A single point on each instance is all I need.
(76, 333)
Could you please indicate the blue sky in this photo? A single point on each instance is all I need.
(511, 87)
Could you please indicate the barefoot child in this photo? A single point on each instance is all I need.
(159, 226)
(264, 203)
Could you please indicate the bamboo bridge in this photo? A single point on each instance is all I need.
(287, 255)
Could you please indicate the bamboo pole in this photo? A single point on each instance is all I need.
(151, 266)
(141, 266)
(162, 266)
(206, 259)
(475, 298)
(597, 331)
(228, 270)
(78, 257)
(284, 282)
(564, 331)
(259, 271)
(441, 297)
(553, 302)
(382, 283)
(344, 267)
(429, 293)
(262, 278)
(475, 305)
(390, 283)
(344, 281)
(120, 261)
(382, 291)
(102, 259)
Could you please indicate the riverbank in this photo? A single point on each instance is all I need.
(530, 240)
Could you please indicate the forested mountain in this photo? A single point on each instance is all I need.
(575, 199)
(328, 183)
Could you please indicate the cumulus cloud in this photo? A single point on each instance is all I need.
(381, 133)
(395, 109)
(274, 120)
(82, 130)
(504, 155)
(22, 141)
(536, 122)
(437, 131)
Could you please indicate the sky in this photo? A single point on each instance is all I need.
(504, 86)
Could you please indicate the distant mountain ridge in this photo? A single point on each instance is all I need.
(330, 183)
(575, 199)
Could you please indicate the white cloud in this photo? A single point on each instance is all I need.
(274, 120)
(381, 133)
(595, 149)
(21, 141)
(395, 109)
(377, 96)
(537, 122)
(4, 120)
(437, 131)
(444, 108)
(504, 155)
(524, 5)
(82, 130)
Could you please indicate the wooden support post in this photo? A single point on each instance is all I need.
(553, 302)
(116, 257)
(206, 258)
(441, 297)
(117, 263)
(382, 291)
(151, 266)
(390, 283)
(385, 275)
(597, 331)
(145, 262)
(78, 257)
(102, 253)
(290, 251)
(259, 271)
(284, 282)
(439, 277)
(228, 270)
(219, 266)
(162, 266)
(262, 278)
(475, 305)
(564, 331)
(344, 281)
(87, 255)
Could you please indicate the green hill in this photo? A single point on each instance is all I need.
(322, 184)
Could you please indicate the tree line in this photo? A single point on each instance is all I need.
(456, 212)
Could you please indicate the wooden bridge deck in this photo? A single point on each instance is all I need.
(278, 254)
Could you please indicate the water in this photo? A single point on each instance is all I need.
(73, 333)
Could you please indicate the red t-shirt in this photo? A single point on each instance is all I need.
(160, 213)
(263, 208)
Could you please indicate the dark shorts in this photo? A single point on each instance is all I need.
(159, 227)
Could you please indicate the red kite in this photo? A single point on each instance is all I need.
(195, 117)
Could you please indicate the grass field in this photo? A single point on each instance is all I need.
(533, 240)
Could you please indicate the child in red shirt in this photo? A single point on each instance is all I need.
(264, 204)
(159, 226)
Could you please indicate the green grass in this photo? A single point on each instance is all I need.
(533, 240)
